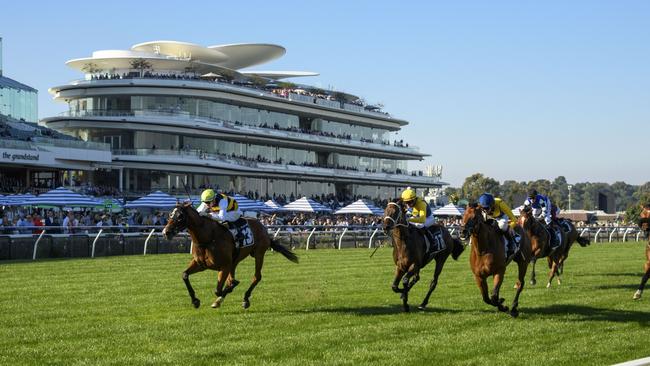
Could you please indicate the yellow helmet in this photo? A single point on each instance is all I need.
(408, 194)
(207, 195)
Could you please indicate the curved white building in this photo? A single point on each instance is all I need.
(177, 112)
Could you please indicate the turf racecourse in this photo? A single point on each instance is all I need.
(335, 307)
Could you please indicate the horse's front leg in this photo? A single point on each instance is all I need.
(231, 282)
(433, 284)
(407, 284)
(495, 299)
(481, 282)
(399, 273)
(533, 279)
(553, 273)
(219, 292)
(522, 266)
(193, 267)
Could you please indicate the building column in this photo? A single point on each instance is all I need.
(27, 180)
(120, 181)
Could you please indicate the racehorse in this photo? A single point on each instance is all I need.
(572, 236)
(644, 223)
(488, 257)
(411, 254)
(214, 248)
(540, 239)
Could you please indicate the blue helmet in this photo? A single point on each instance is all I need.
(486, 200)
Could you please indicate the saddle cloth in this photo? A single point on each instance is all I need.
(433, 240)
(565, 225)
(241, 232)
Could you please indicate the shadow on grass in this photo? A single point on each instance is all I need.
(589, 313)
(627, 286)
(380, 310)
(620, 274)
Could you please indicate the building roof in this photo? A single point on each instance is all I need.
(6, 82)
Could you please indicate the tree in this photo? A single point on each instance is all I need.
(512, 191)
(477, 184)
(141, 64)
(560, 192)
(91, 68)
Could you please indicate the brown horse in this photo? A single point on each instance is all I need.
(644, 223)
(572, 236)
(488, 257)
(540, 239)
(410, 252)
(214, 248)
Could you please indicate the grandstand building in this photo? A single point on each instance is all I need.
(32, 157)
(178, 114)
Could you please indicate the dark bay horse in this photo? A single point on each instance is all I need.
(644, 223)
(488, 257)
(540, 239)
(410, 252)
(572, 236)
(214, 248)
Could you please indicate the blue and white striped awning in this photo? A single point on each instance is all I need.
(15, 199)
(156, 199)
(449, 210)
(60, 197)
(361, 207)
(306, 205)
(247, 204)
(273, 206)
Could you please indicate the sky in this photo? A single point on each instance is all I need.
(521, 90)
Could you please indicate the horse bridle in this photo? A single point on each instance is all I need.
(470, 226)
(396, 222)
(178, 217)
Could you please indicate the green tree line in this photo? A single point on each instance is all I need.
(584, 195)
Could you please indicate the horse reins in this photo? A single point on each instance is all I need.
(396, 222)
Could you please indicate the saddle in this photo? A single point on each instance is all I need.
(241, 232)
(565, 225)
(555, 237)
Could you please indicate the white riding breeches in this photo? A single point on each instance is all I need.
(230, 216)
(428, 222)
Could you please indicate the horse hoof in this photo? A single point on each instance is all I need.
(503, 309)
(196, 303)
(217, 303)
(514, 313)
(533, 282)
(422, 306)
(559, 282)
(407, 309)
(548, 285)
(246, 304)
(637, 295)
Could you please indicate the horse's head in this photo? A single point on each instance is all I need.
(644, 219)
(525, 216)
(177, 221)
(472, 220)
(394, 215)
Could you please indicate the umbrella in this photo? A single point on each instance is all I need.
(247, 204)
(156, 199)
(274, 206)
(449, 210)
(306, 205)
(15, 199)
(360, 207)
(61, 197)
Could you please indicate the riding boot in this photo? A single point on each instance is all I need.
(510, 243)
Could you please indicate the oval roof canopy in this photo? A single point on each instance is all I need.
(182, 50)
(277, 75)
(248, 54)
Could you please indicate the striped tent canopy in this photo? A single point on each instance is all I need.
(517, 210)
(247, 204)
(15, 199)
(360, 207)
(156, 199)
(61, 197)
(274, 206)
(449, 210)
(305, 205)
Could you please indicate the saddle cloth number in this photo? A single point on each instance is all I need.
(434, 241)
(245, 235)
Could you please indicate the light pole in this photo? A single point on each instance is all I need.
(569, 187)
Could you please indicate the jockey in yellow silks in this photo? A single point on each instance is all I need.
(422, 215)
(219, 206)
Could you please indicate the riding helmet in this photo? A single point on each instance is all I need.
(486, 200)
(408, 194)
(207, 195)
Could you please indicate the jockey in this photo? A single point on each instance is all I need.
(541, 206)
(422, 216)
(219, 206)
(494, 208)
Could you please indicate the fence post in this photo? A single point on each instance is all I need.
(637, 235)
(372, 237)
(92, 255)
(36, 244)
(597, 233)
(627, 230)
(277, 232)
(453, 230)
(147, 241)
(309, 238)
(341, 237)
(611, 235)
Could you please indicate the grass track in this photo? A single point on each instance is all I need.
(335, 307)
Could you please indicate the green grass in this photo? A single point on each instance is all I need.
(335, 307)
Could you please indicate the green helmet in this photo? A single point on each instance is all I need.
(207, 195)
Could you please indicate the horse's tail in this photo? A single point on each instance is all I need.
(583, 241)
(284, 251)
(457, 248)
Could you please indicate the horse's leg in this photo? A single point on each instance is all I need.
(399, 273)
(495, 299)
(193, 267)
(644, 279)
(533, 279)
(405, 290)
(522, 265)
(257, 277)
(221, 280)
(231, 282)
(433, 284)
(553, 273)
(482, 285)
